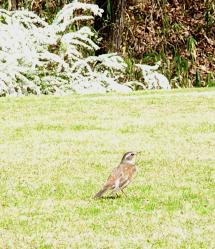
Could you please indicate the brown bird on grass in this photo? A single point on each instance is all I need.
(121, 176)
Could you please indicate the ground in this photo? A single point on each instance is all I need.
(56, 152)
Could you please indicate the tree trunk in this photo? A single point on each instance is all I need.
(13, 4)
(111, 25)
(118, 11)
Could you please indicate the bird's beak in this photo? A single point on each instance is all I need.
(136, 153)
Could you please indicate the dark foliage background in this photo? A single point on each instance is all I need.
(181, 32)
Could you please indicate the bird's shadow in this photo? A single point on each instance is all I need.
(115, 197)
(111, 197)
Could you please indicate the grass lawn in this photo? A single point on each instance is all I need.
(56, 152)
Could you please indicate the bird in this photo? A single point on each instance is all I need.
(121, 176)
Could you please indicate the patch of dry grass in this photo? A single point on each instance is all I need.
(56, 152)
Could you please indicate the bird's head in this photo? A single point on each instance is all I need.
(129, 157)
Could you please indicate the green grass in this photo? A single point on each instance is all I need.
(56, 152)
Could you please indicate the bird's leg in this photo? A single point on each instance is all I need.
(124, 193)
(114, 192)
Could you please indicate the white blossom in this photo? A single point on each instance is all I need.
(153, 79)
(41, 58)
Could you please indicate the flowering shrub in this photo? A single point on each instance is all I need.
(41, 58)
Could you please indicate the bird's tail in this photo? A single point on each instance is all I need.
(101, 192)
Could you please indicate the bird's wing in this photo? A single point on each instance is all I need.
(110, 184)
(116, 174)
(128, 173)
(120, 176)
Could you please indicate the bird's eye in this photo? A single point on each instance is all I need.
(132, 154)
